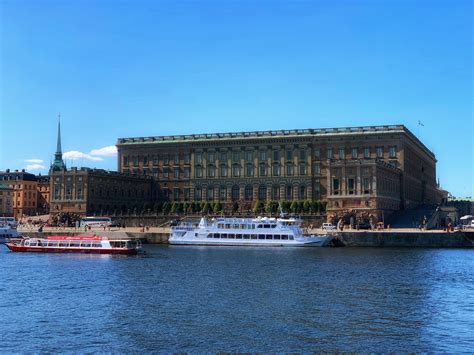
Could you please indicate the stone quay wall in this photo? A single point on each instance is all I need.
(392, 238)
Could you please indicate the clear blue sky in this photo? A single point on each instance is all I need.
(139, 68)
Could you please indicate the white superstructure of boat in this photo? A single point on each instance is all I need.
(260, 231)
(7, 233)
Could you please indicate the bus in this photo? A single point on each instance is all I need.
(96, 222)
(8, 221)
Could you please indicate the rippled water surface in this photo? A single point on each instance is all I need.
(239, 299)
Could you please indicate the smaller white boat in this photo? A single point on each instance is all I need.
(7, 233)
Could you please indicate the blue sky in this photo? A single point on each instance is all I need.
(139, 68)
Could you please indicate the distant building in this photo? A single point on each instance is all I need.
(43, 194)
(93, 191)
(98, 192)
(6, 194)
(24, 197)
(362, 170)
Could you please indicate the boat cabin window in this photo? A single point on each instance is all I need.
(277, 237)
(238, 236)
(284, 237)
(268, 236)
(253, 236)
(291, 237)
(246, 236)
(261, 236)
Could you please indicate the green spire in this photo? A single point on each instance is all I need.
(58, 163)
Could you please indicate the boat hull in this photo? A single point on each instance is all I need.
(314, 242)
(33, 249)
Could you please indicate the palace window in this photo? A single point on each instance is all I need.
(317, 169)
(223, 157)
(329, 153)
(351, 186)
(249, 156)
(335, 186)
(366, 152)
(248, 193)
(317, 153)
(176, 172)
(198, 193)
(342, 154)
(354, 153)
(302, 154)
(262, 169)
(155, 159)
(145, 160)
(211, 158)
(289, 169)
(302, 192)
(276, 170)
(263, 155)
(366, 185)
(379, 151)
(166, 159)
(176, 158)
(289, 192)
(155, 173)
(262, 192)
(317, 191)
(135, 161)
(249, 170)
(199, 158)
(187, 158)
(187, 171)
(211, 171)
(275, 192)
(175, 194)
(302, 168)
(166, 172)
(223, 172)
(289, 155)
(186, 194)
(125, 161)
(235, 193)
(223, 193)
(392, 152)
(236, 157)
(276, 155)
(236, 170)
(210, 193)
(198, 172)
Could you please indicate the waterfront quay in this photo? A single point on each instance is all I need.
(401, 237)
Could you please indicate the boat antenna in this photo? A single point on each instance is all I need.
(282, 214)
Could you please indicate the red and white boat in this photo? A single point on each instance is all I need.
(77, 244)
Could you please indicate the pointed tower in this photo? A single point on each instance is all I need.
(58, 163)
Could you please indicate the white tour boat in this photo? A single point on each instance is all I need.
(7, 233)
(261, 231)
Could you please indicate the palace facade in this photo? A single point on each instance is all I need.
(373, 170)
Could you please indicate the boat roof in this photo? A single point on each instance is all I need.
(81, 237)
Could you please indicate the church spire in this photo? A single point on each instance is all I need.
(58, 163)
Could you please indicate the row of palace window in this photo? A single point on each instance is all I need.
(351, 188)
(223, 170)
(220, 193)
(262, 155)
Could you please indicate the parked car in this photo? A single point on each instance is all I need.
(363, 225)
(328, 226)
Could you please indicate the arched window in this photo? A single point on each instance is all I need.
(302, 192)
(223, 193)
(249, 193)
(235, 193)
(210, 193)
(198, 193)
(289, 192)
(275, 192)
(262, 192)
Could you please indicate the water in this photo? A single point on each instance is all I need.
(199, 299)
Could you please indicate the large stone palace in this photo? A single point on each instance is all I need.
(371, 170)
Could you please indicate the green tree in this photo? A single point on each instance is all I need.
(158, 207)
(268, 206)
(202, 204)
(180, 208)
(206, 207)
(323, 205)
(314, 207)
(174, 208)
(294, 207)
(217, 207)
(166, 207)
(257, 207)
(306, 206)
